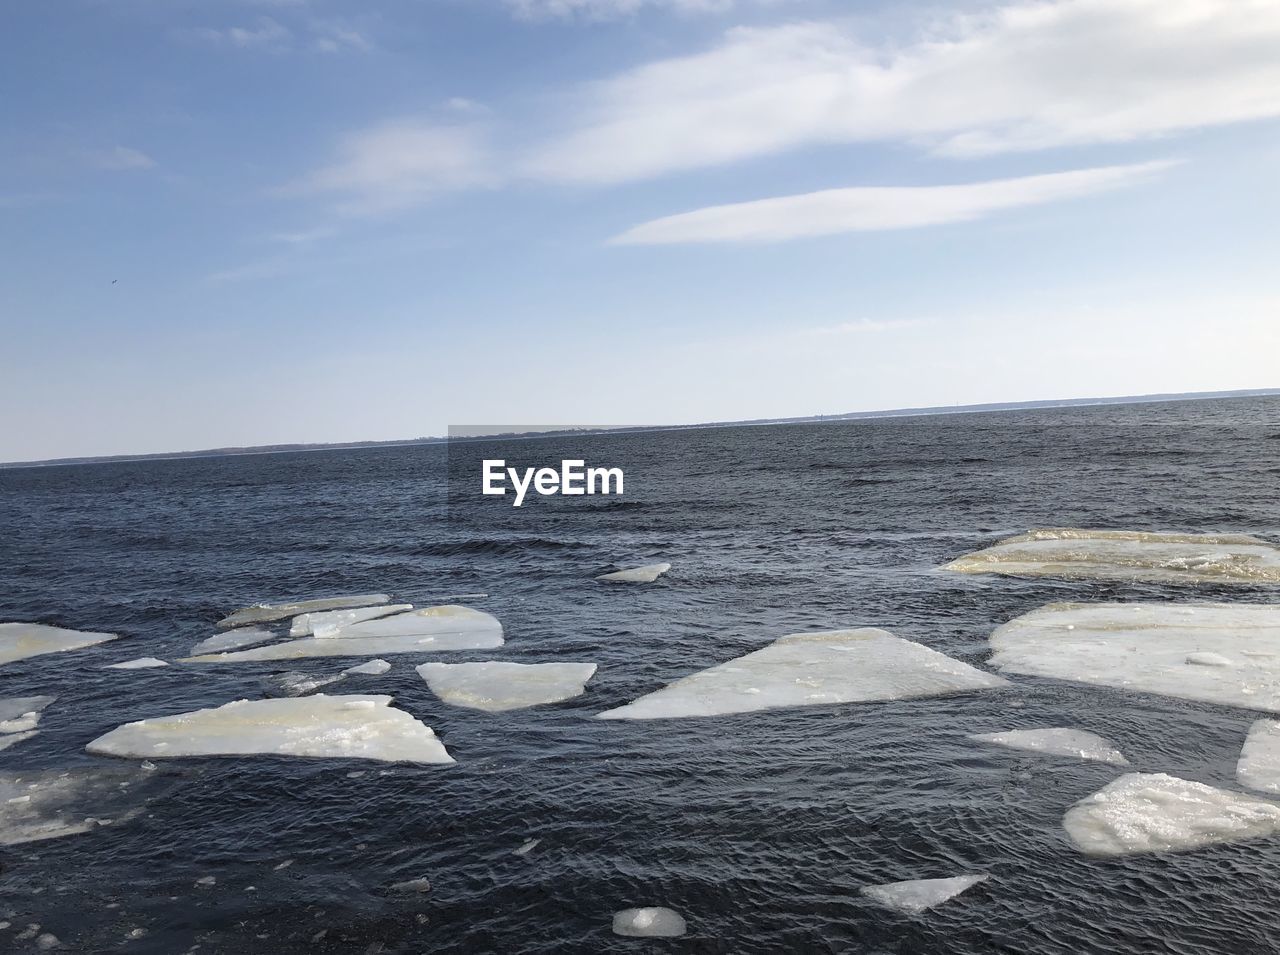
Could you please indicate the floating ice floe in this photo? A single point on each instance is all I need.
(428, 630)
(372, 668)
(326, 623)
(1155, 812)
(1128, 555)
(47, 804)
(812, 669)
(1217, 653)
(1259, 764)
(21, 640)
(233, 640)
(21, 713)
(919, 895)
(11, 739)
(296, 683)
(652, 922)
(267, 612)
(360, 727)
(141, 663)
(495, 687)
(1058, 741)
(637, 575)
(526, 847)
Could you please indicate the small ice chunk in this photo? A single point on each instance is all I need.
(637, 575)
(1128, 555)
(1058, 741)
(421, 885)
(1150, 648)
(525, 849)
(1259, 764)
(372, 668)
(326, 623)
(141, 663)
(919, 895)
(12, 739)
(206, 880)
(431, 629)
(494, 687)
(232, 640)
(323, 726)
(1155, 812)
(48, 804)
(267, 612)
(1207, 659)
(18, 641)
(652, 922)
(808, 669)
(296, 683)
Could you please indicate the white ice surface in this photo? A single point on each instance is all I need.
(232, 640)
(21, 640)
(1153, 648)
(812, 669)
(494, 686)
(141, 663)
(418, 631)
(1058, 741)
(326, 623)
(919, 895)
(21, 713)
(1259, 764)
(371, 668)
(267, 612)
(637, 575)
(46, 804)
(1155, 812)
(652, 922)
(10, 739)
(362, 727)
(295, 683)
(1128, 555)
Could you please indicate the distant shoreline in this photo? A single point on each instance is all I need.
(625, 429)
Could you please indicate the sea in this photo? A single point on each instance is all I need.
(761, 828)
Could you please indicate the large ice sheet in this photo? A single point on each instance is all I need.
(21, 640)
(428, 630)
(1128, 555)
(326, 623)
(360, 727)
(637, 575)
(494, 686)
(267, 612)
(651, 922)
(919, 895)
(47, 804)
(1058, 741)
(812, 669)
(232, 640)
(1155, 812)
(1259, 764)
(1218, 653)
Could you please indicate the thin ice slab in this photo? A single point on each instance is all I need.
(637, 575)
(355, 727)
(267, 612)
(18, 641)
(370, 668)
(1213, 652)
(1129, 555)
(651, 922)
(12, 739)
(233, 640)
(1259, 764)
(812, 669)
(1058, 741)
(21, 713)
(326, 623)
(418, 631)
(296, 683)
(141, 663)
(919, 895)
(1155, 812)
(48, 804)
(495, 687)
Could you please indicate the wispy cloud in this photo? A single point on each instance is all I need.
(269, 35)
(120, 159)
(610, 9)
(303, 236)
(399, 164)
(876, 208)
(1024, 76)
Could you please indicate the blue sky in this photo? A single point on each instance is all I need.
(236, 222)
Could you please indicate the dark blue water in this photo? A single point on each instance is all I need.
(760, 828)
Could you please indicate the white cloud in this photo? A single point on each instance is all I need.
(399, 164)
(265, 34)
(334, 36)
(1025, 76)
(121, 158)
(872, 208)
(270, 36)
(609, 9)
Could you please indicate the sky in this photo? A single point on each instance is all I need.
(243, 222)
